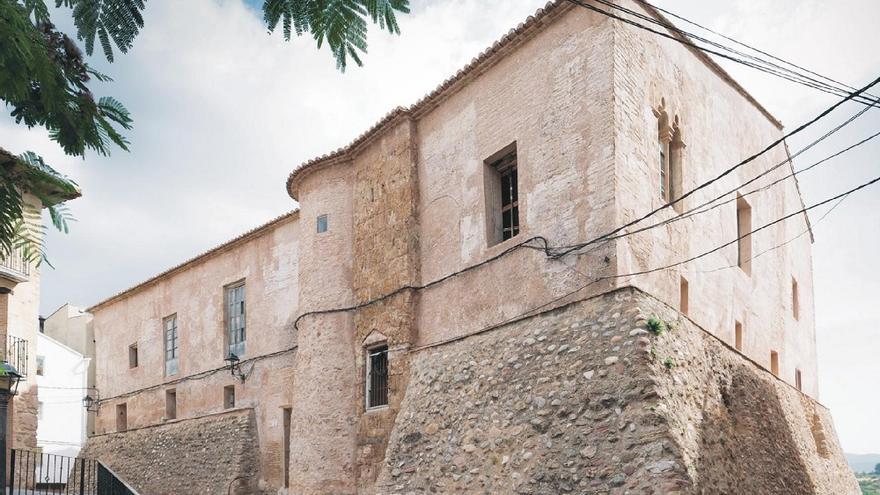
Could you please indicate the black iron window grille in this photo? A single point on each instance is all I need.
(377, 377)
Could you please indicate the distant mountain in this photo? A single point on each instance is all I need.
(862, 463)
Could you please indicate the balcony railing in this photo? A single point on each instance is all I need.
(17, 353)
(16, 264)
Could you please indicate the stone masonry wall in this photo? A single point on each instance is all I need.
(205, 455)
(583, 399)
(385, 245)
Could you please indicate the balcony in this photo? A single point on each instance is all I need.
(17, 353)
(15, 267)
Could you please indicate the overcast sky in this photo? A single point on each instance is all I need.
(224, 112)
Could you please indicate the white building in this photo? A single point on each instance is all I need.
(62, 383)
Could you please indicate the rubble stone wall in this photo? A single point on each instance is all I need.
(205, 455)
(584, 399)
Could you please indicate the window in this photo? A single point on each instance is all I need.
(670, 148)
(322, 224)
(41, 365)
(739, 336)
(121, 417)
(40, 411)
(133, 355)
(235, 319)
(171, 351)
(229, 397)
(171, 404)
(683, 296)
(502, 195)
(286, 424)
(795, 300)
(377, 377)
(743, 230)
(774, 363)
(797, 380)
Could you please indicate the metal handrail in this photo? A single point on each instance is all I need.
(17, 262)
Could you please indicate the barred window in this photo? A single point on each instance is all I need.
(377, 377)
(502, 195)
(171, 349)
(235, 319)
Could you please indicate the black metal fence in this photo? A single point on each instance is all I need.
(35, 473)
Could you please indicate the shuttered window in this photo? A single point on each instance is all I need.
(235, 319)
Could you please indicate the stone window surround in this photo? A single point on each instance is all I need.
(671, 144)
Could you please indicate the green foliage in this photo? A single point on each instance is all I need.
(669, 363)
(45, 81)
(877, 468)
(21, 227)
(656, 325)
(342, 24)
(869, 485)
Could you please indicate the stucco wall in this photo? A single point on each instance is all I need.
(268, 263)
(719, 128)
(62, 428)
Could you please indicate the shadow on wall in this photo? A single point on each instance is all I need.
(746, 444)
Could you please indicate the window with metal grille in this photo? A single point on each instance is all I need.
(502, 195)
(377, 377)
(171, 350)
(235, 319)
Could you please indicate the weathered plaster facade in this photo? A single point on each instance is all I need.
(391, 246)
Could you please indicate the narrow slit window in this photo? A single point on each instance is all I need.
(171, 404)
(133, 356)
(121, 417)
(377, 377)
(774, 363)
(797, 380)
(664, 168)
(229, 397)
(502, 196)
(795, 300)
(744, 237)
(683, 296)
(236, 334)
(171, 343)
(738, 336)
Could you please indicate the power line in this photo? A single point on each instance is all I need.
(723, 174)
(758, 50)
(684, 40)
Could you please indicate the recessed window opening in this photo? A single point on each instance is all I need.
(670, 146)
(235, 319)
(171, 350)
(377, 377)
(738, 337)
(795, 300)
(322, 224)
(502, 195)
(774, 363)
(229, 397)
(683, 296)
(133, 356)
(286, 425)
(798, 383)
(744, 237)
(121, 417)
(171, 404)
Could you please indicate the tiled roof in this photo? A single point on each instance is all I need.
(480, 64)
(250, 234)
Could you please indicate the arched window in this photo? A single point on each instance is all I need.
(670, 146)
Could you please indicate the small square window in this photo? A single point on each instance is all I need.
(322, 224)
(229, 397)
(133, 356)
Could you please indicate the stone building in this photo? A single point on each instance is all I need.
(406, 331)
